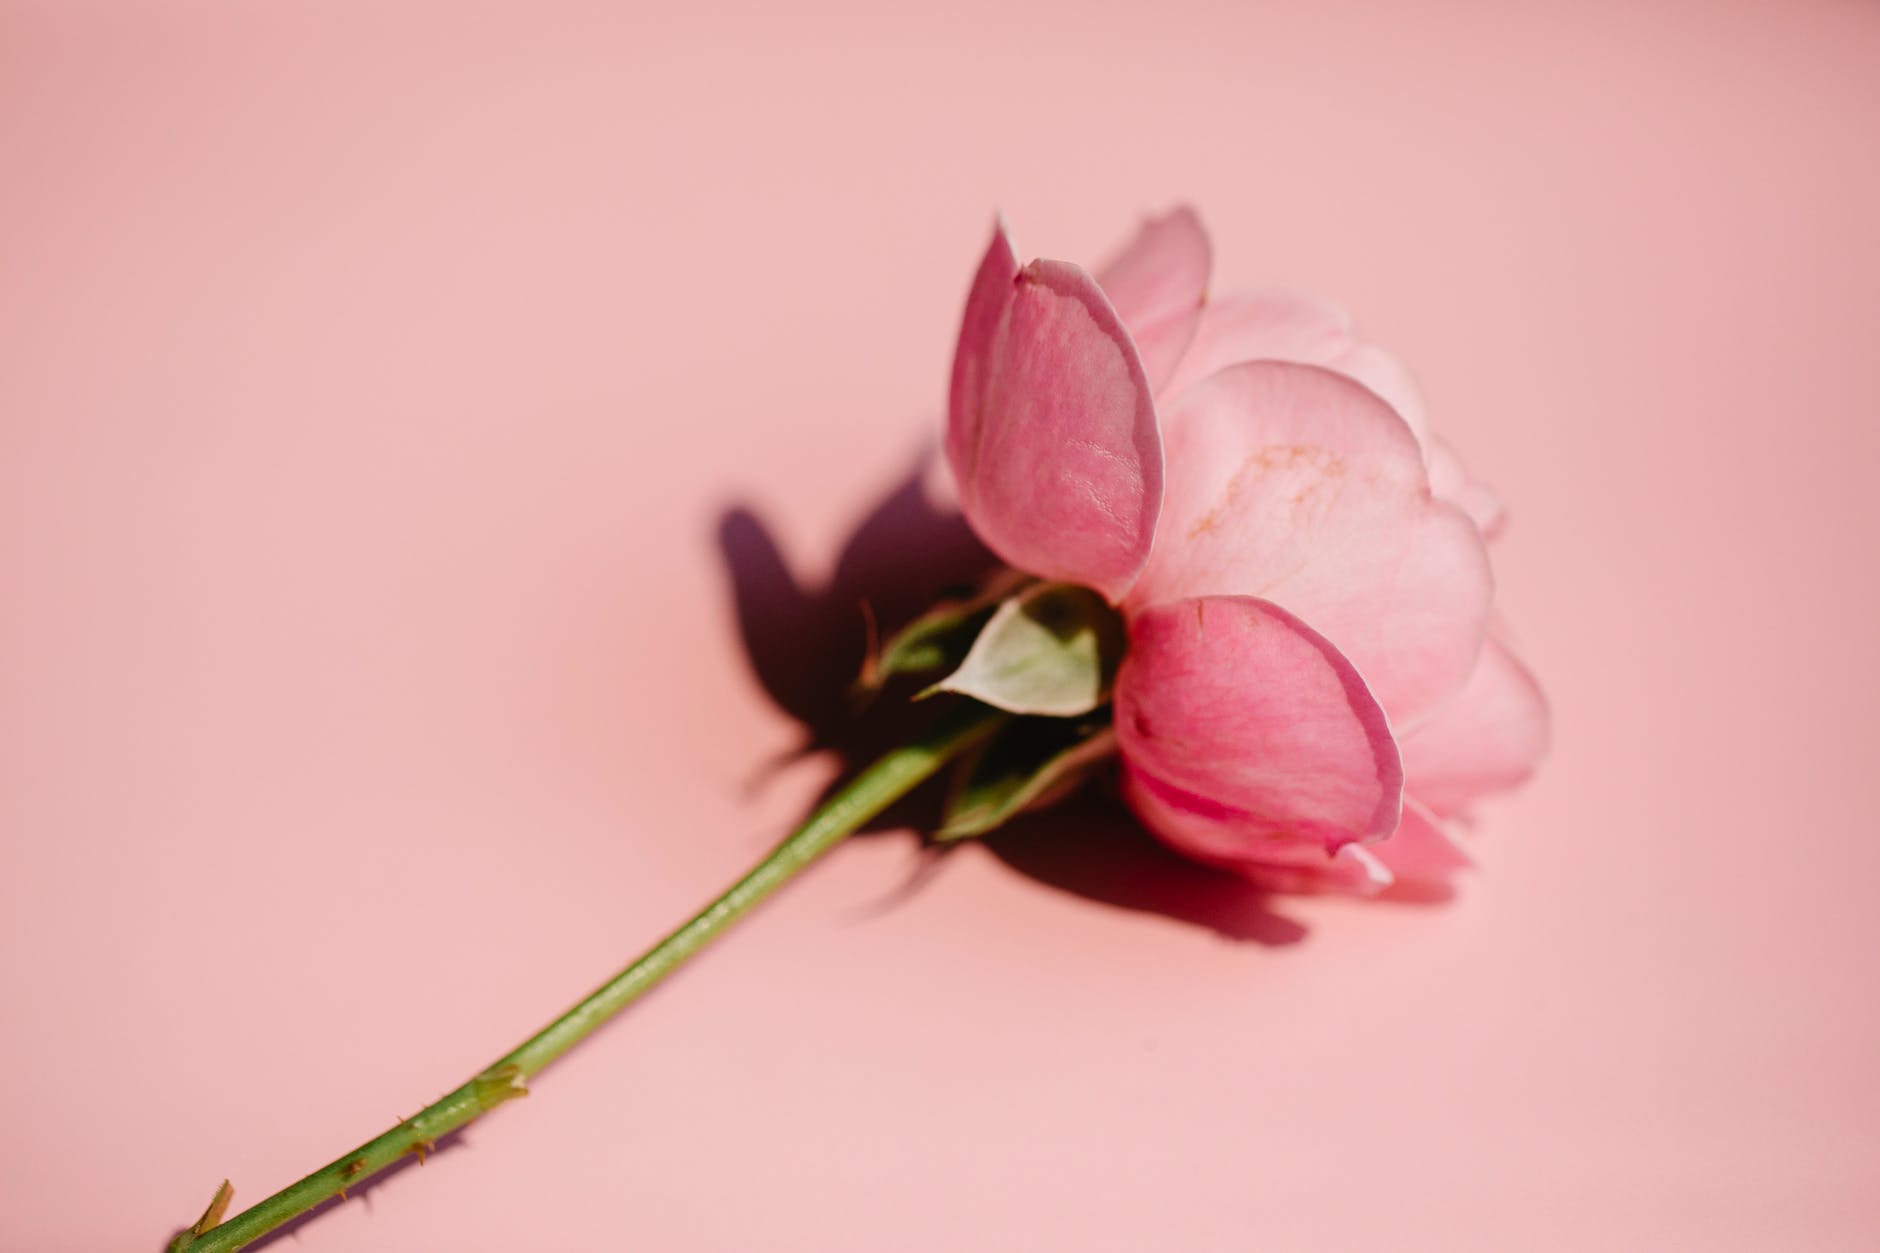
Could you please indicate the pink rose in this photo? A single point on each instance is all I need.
(1312, 690)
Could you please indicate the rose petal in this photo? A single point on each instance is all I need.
(1262, 326)
(1248, 737)
(985, 309)
(1198, 833)
(1157, 284)
(1294, 484)
(1420, 853)
(1418, 862)
(1053, 437)
(1273, 866)
(1390, 380)
(1282, 326)
(1451, 481)
(1488, 739)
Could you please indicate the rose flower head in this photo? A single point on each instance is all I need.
(1312, 690)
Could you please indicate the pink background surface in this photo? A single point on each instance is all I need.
(373, 380)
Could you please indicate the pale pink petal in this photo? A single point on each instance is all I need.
(1158, 283)
(1451, 480)
(1247, 737)
(1294, 484)
(1389, 379)
(985, 309)
(1488, 739)
(1262, 326)
(1420, 854)
(1058, 457)
(1377, 875)
(1282, 326)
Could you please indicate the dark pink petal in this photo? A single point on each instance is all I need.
(1053, 438)
(1294, 484)
(985, 309)
(1488, 739)
(1281, 326)
(1198, 833)
(1418, 862)
(1158, 284)
(1247, 737)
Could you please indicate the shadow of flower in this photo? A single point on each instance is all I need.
(1090, 846)
(806, 645)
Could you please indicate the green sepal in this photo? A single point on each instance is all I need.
(1030, 763)
(939, 639)
(1052, 650)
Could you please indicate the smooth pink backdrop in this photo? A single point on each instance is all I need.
(373, 377)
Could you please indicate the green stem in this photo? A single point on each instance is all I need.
(893, 776)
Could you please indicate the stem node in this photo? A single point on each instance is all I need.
(499, 1084)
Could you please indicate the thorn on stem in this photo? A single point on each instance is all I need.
(218, 1206)
(350, 1171)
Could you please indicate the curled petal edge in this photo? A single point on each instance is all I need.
(1246, 735)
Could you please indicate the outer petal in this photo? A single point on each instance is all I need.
(1158, 284)
(1292, 483)
(1053, 437)
(1273, 865)
(1262, 326)
(1282, 326)
(1488, 739)
(1420, 855)
(1248, 739)
(1418, 862)
(1451, 480)
(1390, 379)
(985, 309)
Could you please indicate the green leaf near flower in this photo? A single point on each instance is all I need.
(1029, 764)
(1052, 649)
(940, 638)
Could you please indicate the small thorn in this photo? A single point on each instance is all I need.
(218, 1206)
(423, 1148)
(871, 653)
